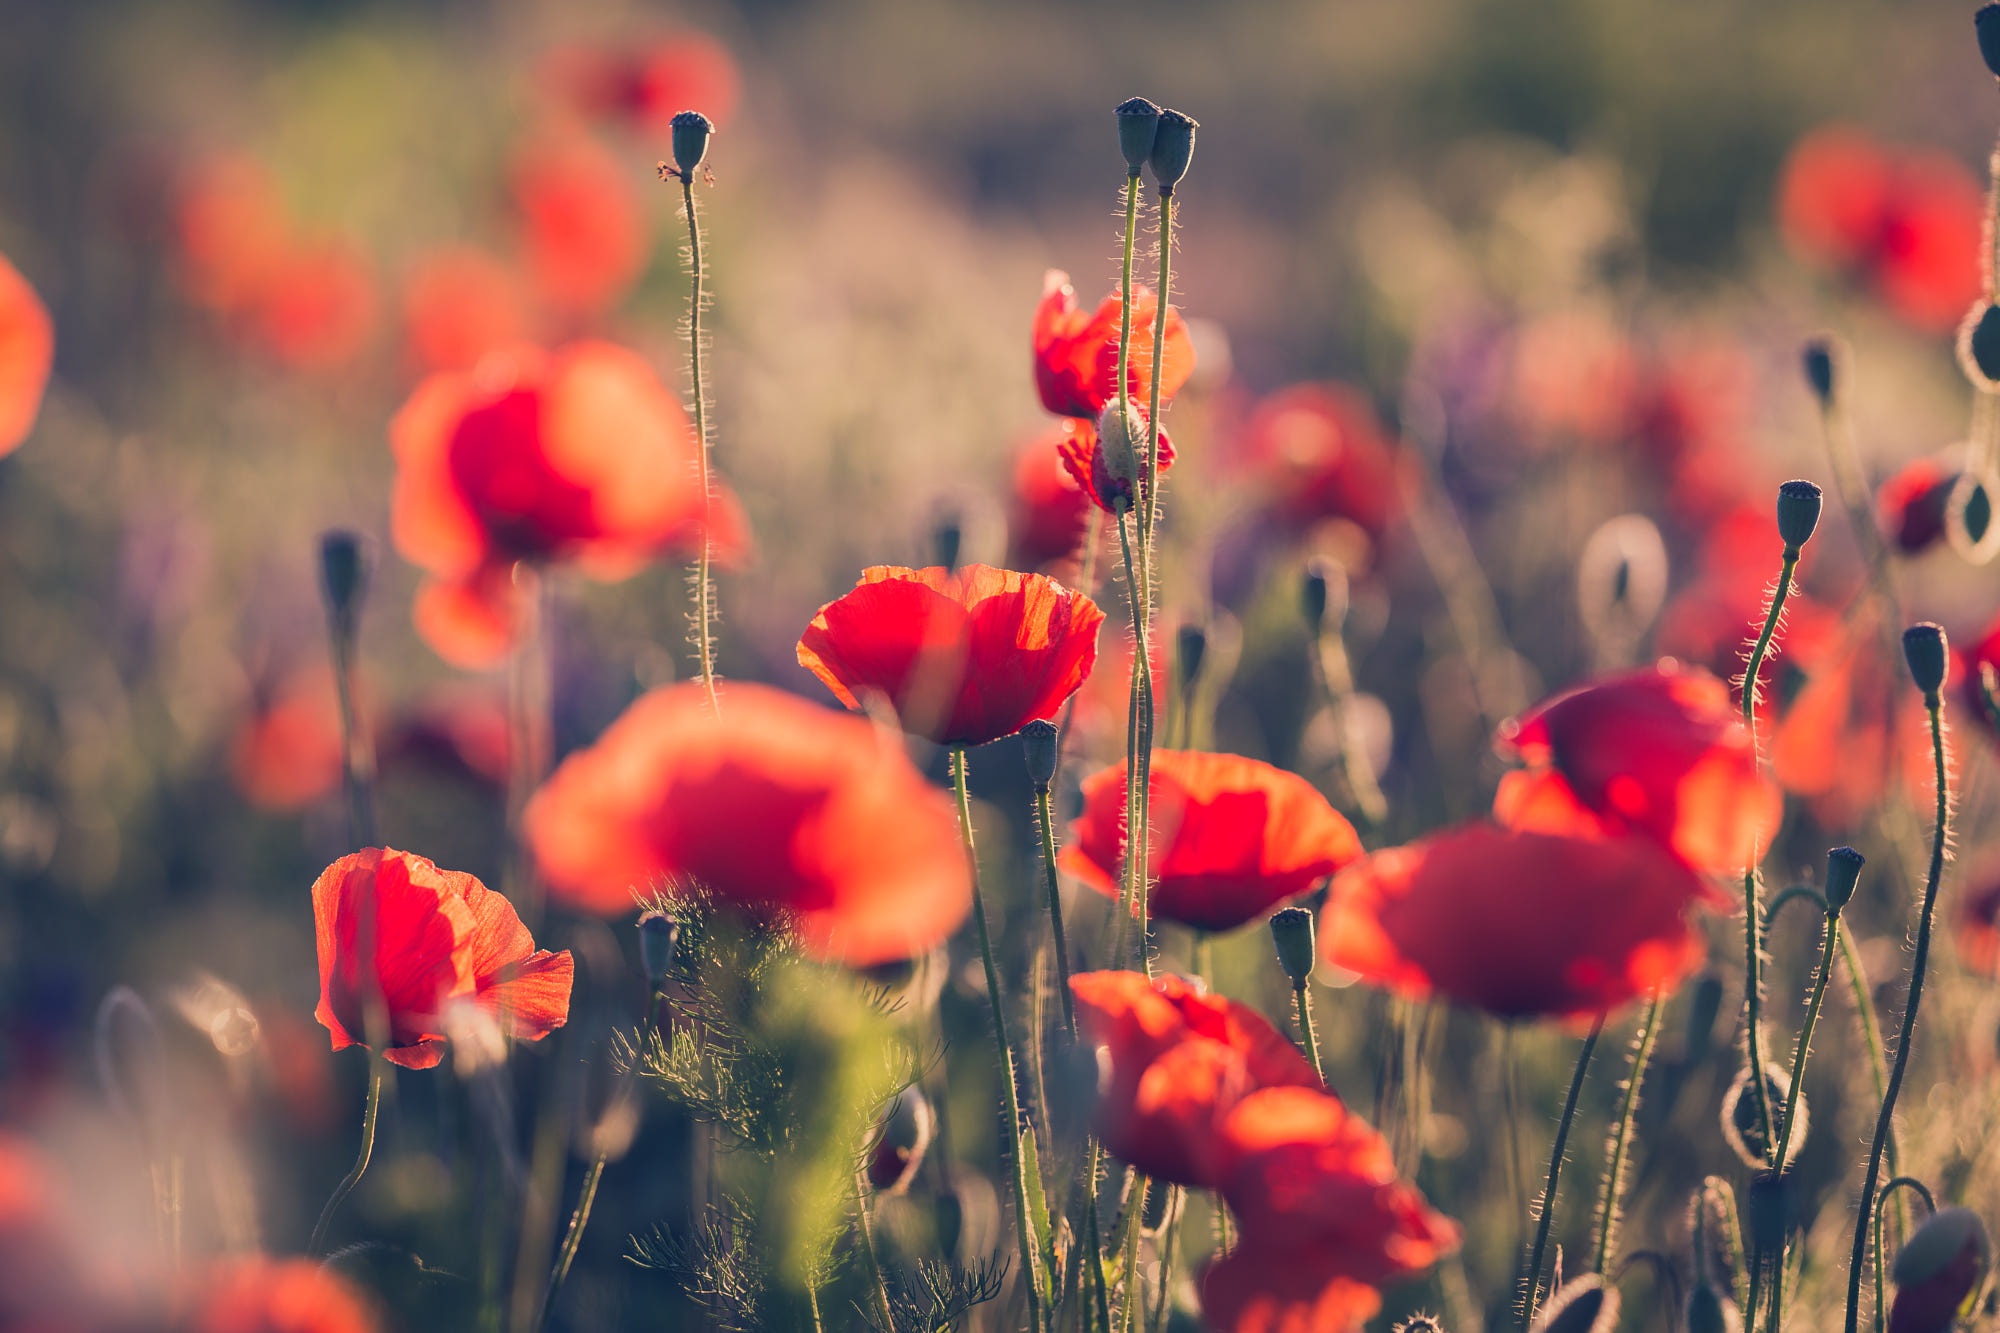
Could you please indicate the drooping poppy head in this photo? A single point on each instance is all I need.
(1320, 452)
(1660, 751)
(1910, 506)
(1047, 508)
(458, 305)
(582, 225)
(1324, 1218)
(396, 930)
(1109, 484)
(778, 805)
(27, 351)
(1232, 837)
(1175, 1060)
(260, 1295)
(965, 656)
(1519, 924)
(1076, 352)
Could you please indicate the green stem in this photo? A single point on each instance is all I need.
(1002, 1048)
(1934, 706)
(1169, 1242)
(1046, 817)
(1135, 1290)
(1799, 1053)
(704, 583)
(370, 1113)
(1139, 756)
(1303, 1001)
(1611, 1194)
(1532, 1282)
(878, 1290)
(1123, 391)
(357, 753)
(1159, 360)
(1099, 1293)
(1930, 1205)
(572, 1238)
(1878, 1059)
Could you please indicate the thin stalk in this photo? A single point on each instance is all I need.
(704, 583)
(1135, 1291)
(1303, 1001)
(1930, 1206)
(1139, 755)
(1934, 706)
(370, 1113)
(357, 754)
(572, 1238)
(1002, 1048)
(1125, 305)
(1159, 360)
(1878, 1059)
(1045, 815)
(1609, 1197)
(1169, 1242)
(1100, 1295)
(1532, 1283)
(878, 1291)
(1804, 1047)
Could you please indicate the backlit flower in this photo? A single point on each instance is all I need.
(1082, 452)
(27, 350)
(582, 225)
(1048, 507)
(316, 306)
(458, 305)
(1178, 1060)
(965, 656)
(1320, 452)
(644, 86)
(260, 1295)
(287, 753)
(231, 230)
(1076, 352)
(1232, 837)
(776, 805)
(394, 928)
(1851, 728)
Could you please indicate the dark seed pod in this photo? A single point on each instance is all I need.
(343, 575)
(1940, 1272)
(1843, 870)
(1292, 932)
(947, 537)
(1741, 1126)
(659, 942)
(1190, 647)
(1798, 513)
(1979, 346)
(1770, 1212)
(1173, 148)
(1925, 651)
(1138, 122)
(690, 134)
(1819, 362)
(1986, 23)
(1038, 748)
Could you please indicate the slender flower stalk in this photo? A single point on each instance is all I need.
(572, 1237)
(1531, 1289)
(343, 584)
(1914, 1186)
(1042, 744)
(1302, 1002)
(878, 1291)
(371, 1112)
(690, 141)
(1610, 1197)
(1139, 749)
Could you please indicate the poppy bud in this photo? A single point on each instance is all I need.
(1190, 646)
(1968, 516)
(343, 575)
(901, 1143)
(1798, 513)
(1709, 1311)
(690, 132)
(1741, 1124)
(1138, 119)
(1118, 452)
(1940, 1272)
(1979, 346)
(1292, 931)
(946, 539)
(1924, 651)
(1818, 359)
(1843, 868)
(1173, 148)
(1704, 1004)
(1770, 1212)
(1986, 23)
(1586, 1305)
(1038, 747)
(659, 941)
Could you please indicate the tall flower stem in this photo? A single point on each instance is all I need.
(1532, 1280)
(572, 1237)
(1002, 1049)
(343, 573)
(1045, 816)
(1125, 303)
(370, 1113)
(704, 582)
(878, 1292)
(1610, 1196)
(1934, 706)
(1160, 296)
(1915, 1186)
(1302, 1001)
(1134, 890)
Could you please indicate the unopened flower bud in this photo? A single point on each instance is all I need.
(690, 134)
(900, 1146)
(1843, 868)
(1940, 1272)
(1979, 346)
(1292, 932)
(1118, 460)
(1190, 647)
(1770, 1212)
(1818, 358)
(1742, 1125)
(1968, 516)
(1138, 121)
(343, 575)
(1710, 1311)
(1798, 513)
(1925, 652)
(1986, 23)
(659, 941)
(1587, 1305)
(947, 536)
(1173, 148)
(1038, 747)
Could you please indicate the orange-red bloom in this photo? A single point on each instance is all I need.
(1519, 924)
(1076, 353)
(582, 225)
(965, 656)
(1082, 454)
(1853, 727)
(1179, 1059)
(646, 86)
(1910, 506)
(1321, 453)
(287, 752)
(259, 1295)
(395, 927)
(1323, 1217)
(1659, 751)
(1046, 513)
(458, 305)
(27, 350)
(777, 804)
(232, 232)
(316, 307)
(1232, 837)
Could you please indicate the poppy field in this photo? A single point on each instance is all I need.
(907, 667)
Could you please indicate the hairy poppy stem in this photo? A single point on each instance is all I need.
(1301, 997)
(1135, 1290)
(1753, 945)
(1336, 679)
(878, 1291)
(1098, 1315)
(1169, 1242)
(1610, 1197)
(1132, 188)
(704, 582)
(1934, 706)
(1135, 889)
(1532, 1280)
(1045, 816)
(1002, 1048)
(1881, 1201)
(1159, 360)
(572, 1238)
(371, 1112)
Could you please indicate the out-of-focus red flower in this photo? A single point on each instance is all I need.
(965, 656)
(299, 1066)
(1082, 453)
(1910, 506)
(1321, 453)
(1076, 352)
(1659, 751)
(260, 1295)
(27, 350)
(1852, 728)
(287, 751)
(1833, 194)
(1967, 667)
(1519, 924)
(778, 804)
(1232, 837)
(458, 305)
(1575, 376)
(578, 454)
(458, 730)
(1323, 1216)
(1046, 512)
(1976, 927)
(583, 228)
(40, 1285)
(232, 230)
(1179, 1059)
(645, 87)
(317, 306)
(395, 927)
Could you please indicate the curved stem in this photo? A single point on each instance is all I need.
(1934, 706)
(1804, 1047)
(1910, 1182)
(1303, 1000)
(704, 583)
(370, 1113)
(1046, 817)
(1608, 1203)
(1002, 1048)
(1878, 1061)
(1531, 1294)
(572, 1238)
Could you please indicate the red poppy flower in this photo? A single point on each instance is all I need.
(232, 232)
(1232, 837)
(259, 1295)
(582, 224)
(966, 657)
(1324, 1218)
(1519, 924)
(1976, 927)
(646, 87)
(424, 939)
(1910, 506)
(1046, 512)
(1660, 751)
(1576, 377)
(1082, 454)
(777, 804)
(458, 305)
(1076, 353)
(1967, 668)
(27, 350)
(288, 752)
(1927, 269)
(1179, 1059)
(1833, 194)
(316, 307)
(1321, 453)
